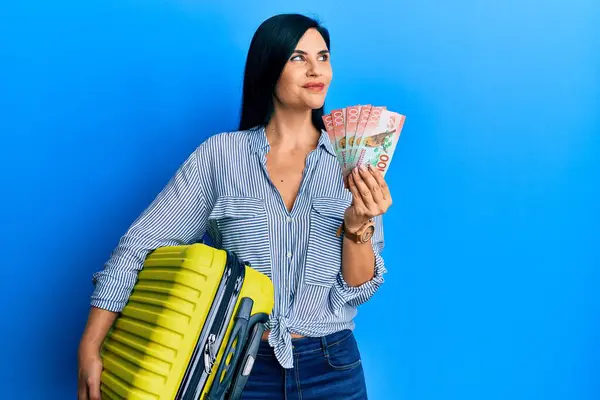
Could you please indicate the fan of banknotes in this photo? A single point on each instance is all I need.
(363, 135)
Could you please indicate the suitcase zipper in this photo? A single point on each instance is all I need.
(215, 339)
(210, 354)
(185, 391)
(211, 337)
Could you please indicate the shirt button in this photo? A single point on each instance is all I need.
(289, 219)
(289, 254)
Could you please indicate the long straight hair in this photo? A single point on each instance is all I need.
(273, 43)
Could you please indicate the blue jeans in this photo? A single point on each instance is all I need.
(327, 368)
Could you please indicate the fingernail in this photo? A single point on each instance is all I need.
(362, 168)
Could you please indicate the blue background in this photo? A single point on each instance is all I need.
(492, 241)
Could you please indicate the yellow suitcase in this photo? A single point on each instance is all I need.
(190, 329)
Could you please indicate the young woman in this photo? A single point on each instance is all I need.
(273, 192)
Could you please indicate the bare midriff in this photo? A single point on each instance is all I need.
(265, 336)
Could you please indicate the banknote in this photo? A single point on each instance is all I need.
(379, 143)
(372, 120)
(339, 126)
(328, 122)
(363, 117)
(352, 114)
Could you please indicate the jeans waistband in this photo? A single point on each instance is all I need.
(308, 344)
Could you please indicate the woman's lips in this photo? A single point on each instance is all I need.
(316, 87)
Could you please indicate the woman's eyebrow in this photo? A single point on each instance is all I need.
(304, 53)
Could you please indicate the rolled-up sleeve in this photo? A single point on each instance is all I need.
(177, 215)
(354, 296)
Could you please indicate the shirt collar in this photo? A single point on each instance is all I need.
(325, 142)
(258, 139)
(259, 143)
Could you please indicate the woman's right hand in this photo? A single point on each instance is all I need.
(89, 372)
(90, 363)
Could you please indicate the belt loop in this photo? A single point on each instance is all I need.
(324, 346)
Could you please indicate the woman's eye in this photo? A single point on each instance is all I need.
(322, 57)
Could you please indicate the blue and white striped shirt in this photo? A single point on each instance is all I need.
(223, 189)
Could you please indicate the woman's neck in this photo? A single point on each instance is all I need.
(292, 130)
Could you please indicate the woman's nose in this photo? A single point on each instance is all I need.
(313, 68)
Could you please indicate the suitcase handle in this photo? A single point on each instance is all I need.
(257, 322)
(239, 331)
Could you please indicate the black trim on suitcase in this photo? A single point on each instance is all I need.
(237, 336)
(211, 337)
(244, 367)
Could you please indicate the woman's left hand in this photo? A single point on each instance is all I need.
(370, 197)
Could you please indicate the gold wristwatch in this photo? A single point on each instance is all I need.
(362, 235)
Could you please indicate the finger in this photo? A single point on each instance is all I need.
(385, 190)
(363, 189)
(82, 393)
(372, 184)
(94, 387)
(356, 198)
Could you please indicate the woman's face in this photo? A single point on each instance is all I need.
(305, 79)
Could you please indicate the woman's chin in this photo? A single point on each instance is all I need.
(312, 103)
(315, 104)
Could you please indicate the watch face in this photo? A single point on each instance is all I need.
(368, 234)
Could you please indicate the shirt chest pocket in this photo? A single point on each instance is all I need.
(242, 227)
(324, 252)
